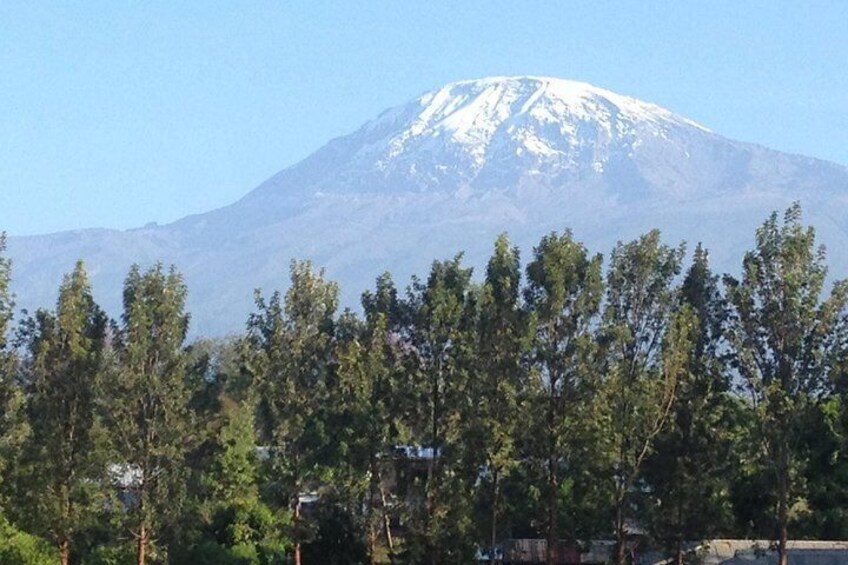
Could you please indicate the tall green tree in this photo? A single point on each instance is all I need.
(691, 466)
(367, 397)
(499, 388)
(7, 303)
(147, 406)
(291, 342)
(647, 348)
(64, 455)
(783, 336)
(13, 423)
(563, 295)
(441, 341)
(16, 546)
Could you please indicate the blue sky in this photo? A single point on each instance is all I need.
(118, 113)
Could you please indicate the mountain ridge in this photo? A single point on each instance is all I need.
(447, 171)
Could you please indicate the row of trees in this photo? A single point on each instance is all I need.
(576, 401)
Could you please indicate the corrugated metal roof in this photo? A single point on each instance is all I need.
(761, 552)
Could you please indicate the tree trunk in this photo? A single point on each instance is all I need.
(553, 498)
(678, 557)
(433, 468)
(142, 542)
(64, 543)
(372, 543)
(297, 533)
(372, 497)
(142, 520)
(431, 508)
(387, 524)
(64, 552)
(553, 512)
(620, 534)
(495, 499)
(783, 558)
(783, 506)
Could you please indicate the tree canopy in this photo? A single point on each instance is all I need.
(646, 401)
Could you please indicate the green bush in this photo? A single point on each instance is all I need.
(112, 555)
(238, 533)
(21, 548)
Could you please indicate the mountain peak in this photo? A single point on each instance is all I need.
(471, 109)
(485, 133)
(524, 92)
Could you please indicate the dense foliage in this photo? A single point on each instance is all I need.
(642, 401)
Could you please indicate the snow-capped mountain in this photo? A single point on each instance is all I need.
(487, 134)
(448, 171)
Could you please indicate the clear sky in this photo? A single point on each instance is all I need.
(116, 113)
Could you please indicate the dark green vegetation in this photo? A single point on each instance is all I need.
(571, 400)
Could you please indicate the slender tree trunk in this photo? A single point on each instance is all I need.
(678, 555)
(142, 542)
(783, 461)
(783, 515)
(553, 510)
(387, 523)
(372, 543)
(385, 520)
(431, 508)
(553, 499)
(143, 533)
(64, 552)
(433, 469)
(64, 542)
(620, 534)
(372, 497)
(495, 500)
(783, 556)
(296, 521)
(142, 520)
